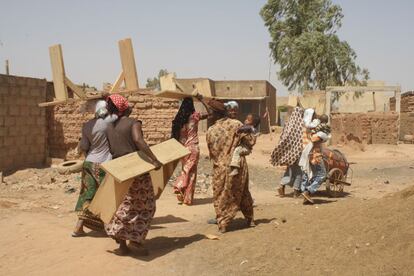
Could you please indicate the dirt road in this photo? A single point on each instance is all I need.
(370, 231)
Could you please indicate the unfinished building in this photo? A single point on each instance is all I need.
(253, 96)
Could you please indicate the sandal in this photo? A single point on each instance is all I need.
(180, 197)
(78, 234)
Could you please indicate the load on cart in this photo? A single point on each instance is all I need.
(338, 170)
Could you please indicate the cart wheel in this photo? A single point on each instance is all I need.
(333, 188)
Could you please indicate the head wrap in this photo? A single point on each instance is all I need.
(120, 102)
(307, 118)
(100, 109)
(231, 105)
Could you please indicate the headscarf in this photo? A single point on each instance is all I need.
(120, 102)
(100, 109)
(231, 105)
(182, 117)
(307, 118)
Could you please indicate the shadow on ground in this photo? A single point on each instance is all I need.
(160, 246)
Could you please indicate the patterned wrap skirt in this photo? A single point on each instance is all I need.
(133, 218)
(92, 176)
(185, 184)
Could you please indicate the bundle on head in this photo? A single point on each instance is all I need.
(182, 117)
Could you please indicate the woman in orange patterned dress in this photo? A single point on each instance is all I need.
(185, 130)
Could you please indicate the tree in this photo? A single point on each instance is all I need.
(305, 45)
(154, 83)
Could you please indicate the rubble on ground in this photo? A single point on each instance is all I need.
(41, 179)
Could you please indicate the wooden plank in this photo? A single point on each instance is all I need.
(363, 88)
(181, 95)
(58, 72)
(136, 163)
(53, 103)
(108, 197)
(76, 89)
(112, 191)
(160, 177)
(179, 86)
(118, 82)
(172, 94)
(87, 98)
(128, 64)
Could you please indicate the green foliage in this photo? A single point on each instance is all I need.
(154, 83)
(305, 45)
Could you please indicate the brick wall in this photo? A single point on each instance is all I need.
(407, 102)
(22, 122)
(370, 128)
(65, 122)
(407, 114)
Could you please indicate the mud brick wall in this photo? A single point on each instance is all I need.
(64, 129)
(65, 122)
(22, 122)
(406, 124)
(370, 128)
(407, 102)
(407, 114)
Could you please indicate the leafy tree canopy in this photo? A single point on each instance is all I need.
(154, 83)
(305, 45)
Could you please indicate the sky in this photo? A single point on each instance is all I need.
(218, 39)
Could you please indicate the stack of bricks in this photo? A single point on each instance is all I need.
(156, 115)
(407, 102)
(22, 122)
(369, 128)
(407, 114)
(65, 122)
(384, 128)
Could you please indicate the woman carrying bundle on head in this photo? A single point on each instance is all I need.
(185, 130)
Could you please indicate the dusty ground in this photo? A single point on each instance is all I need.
(370, 231)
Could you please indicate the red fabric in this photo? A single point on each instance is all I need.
(120, 102)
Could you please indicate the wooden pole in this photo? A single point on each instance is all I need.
(7, 67)
(268, 123)
(58, 72)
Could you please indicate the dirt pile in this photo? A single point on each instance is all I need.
(42, 179)
(363, 237)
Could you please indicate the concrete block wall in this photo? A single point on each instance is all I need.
(22, 122)
(65, 122)
(369, 128)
